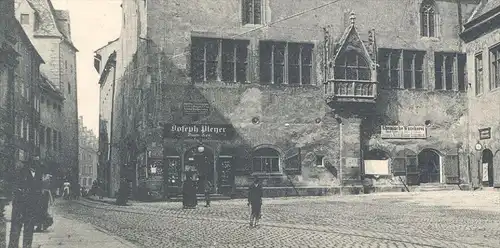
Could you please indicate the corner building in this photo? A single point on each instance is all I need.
(483, 53)
(304, 96)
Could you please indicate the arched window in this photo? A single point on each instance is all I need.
(352, 66)
(266, 160)
(428, 18)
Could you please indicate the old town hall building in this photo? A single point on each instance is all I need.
(307, 97)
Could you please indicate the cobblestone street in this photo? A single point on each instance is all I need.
(383, 220)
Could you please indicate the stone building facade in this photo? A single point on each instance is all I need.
(105, 64)
(88, 156)
(483, 53)
(8, 63)
(51, 128)
(306, 96)
(49, 30)
(26, 101)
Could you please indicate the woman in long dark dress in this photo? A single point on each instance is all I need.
(188, 193)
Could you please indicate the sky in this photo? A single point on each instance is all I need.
(93, 24)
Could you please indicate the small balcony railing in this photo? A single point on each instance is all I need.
(341, 90)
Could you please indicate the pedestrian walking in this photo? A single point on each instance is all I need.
(207, 187)
(255, 193)
(44, 219)
(66, 190)
(25, 205)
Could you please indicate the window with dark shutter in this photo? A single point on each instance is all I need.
(451, 170)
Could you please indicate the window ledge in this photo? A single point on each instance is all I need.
(250, 25)
(434, 39)
(267, 174)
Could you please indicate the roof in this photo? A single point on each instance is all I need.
(483, 8)
(351, 31)
(484, 18)
(49, 24)
(47, 84)
(109, 43)
(27, 40)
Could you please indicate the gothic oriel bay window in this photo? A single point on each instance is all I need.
(449, 71)
(219, 60)
(252, 11)
(479, 73)
(352, 66)
(428, 18)
(401, 68)
(495, 67)
(285, 63)
(266, 160)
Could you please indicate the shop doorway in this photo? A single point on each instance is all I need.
(487, 168)
(199, 161)
(429, 166)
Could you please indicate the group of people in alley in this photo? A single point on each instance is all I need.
(194, 184)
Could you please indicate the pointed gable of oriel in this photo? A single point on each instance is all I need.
(351, 41)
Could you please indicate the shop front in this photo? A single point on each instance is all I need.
(200, 151)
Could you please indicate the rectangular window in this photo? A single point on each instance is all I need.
(285, 63)
(24, 128)
(252, 12)
(48, 135)
(54, 142)
(60, 141)
(401, 68)
(479, 74)
(495, 67)
(449, 71)
(42, 135)
(319, 160)
(25, 19)
(218, 60)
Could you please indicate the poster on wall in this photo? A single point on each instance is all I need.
(485, 172)
(377, 167)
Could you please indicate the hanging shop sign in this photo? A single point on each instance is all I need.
(199, 131)
(196, 108)
(485, 133)
(403, 132)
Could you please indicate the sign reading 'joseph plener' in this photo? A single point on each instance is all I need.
(204, 131)
(403, 132)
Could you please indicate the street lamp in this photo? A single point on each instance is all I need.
(201, 148)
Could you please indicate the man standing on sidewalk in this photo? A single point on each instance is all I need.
(25, 205)
(255, 201)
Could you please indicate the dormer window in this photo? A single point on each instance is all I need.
(352, 66)
(428, 18)
(252, 12)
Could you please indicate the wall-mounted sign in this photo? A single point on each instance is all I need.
(377, 167)
(485, 133)
(403, 132)
(196, 108)
(199, 131)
